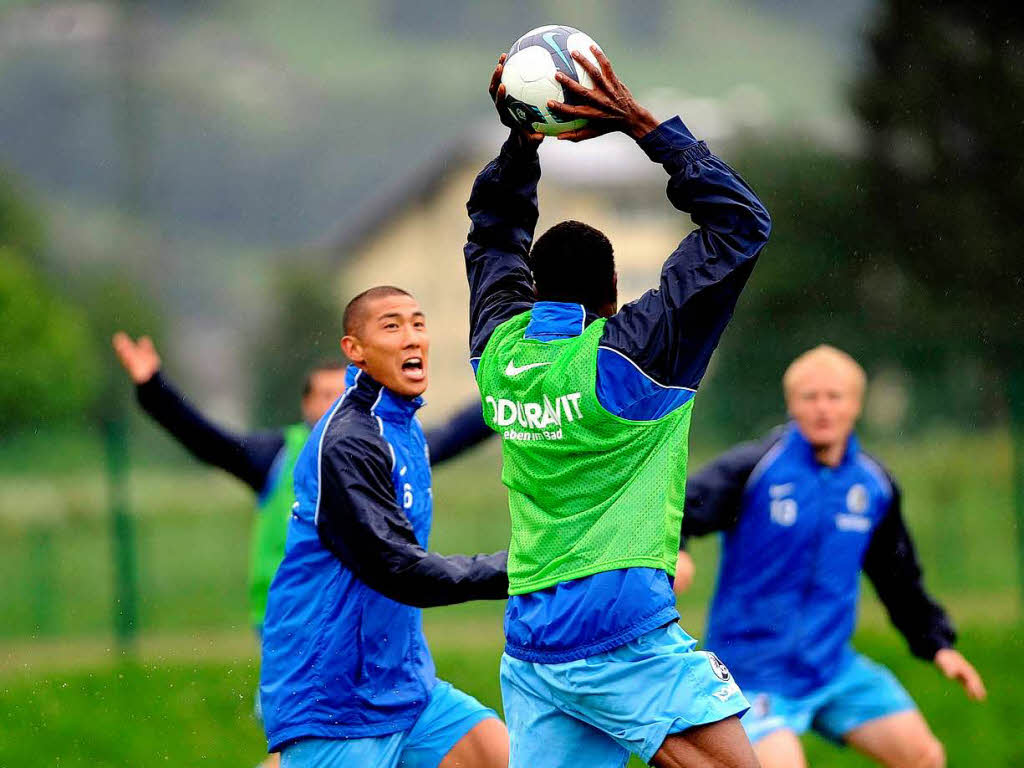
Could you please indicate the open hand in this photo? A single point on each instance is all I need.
(138, 358)
(954, 666)
(607, 107)
(496, 89)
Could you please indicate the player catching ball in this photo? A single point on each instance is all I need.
(803, 511)
(593, 406)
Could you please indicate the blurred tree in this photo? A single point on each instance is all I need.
(943, 104)
(827, 277)
(114, 299)
(47, 367)
(304, 329)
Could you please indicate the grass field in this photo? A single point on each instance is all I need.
(185, 694)
(165, 709)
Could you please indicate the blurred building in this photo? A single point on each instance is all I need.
(412, 234)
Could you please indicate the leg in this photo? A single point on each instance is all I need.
(774, 724)
(903, 740)
(273, 761)
(869, 710)
(780, 749)
(719, 745)
(485, 746)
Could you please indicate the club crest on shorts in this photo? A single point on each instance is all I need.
(721, 671)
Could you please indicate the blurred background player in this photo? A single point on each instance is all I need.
(593, 405)
(347, 678)
(803, 512)
(264, 461)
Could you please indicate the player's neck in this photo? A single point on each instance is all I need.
(831, 455)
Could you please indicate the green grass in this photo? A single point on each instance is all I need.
(167, 710)
(187, 697)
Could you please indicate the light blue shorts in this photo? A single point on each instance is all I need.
(595, 711)
(450, 715)
(863, 691)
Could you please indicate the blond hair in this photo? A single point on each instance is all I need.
(825, 356)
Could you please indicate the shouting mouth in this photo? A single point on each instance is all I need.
(414, 369)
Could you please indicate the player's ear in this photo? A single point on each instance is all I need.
(353, 350)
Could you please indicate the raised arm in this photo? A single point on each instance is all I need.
(655, 350)
(503, 215)
(361, 523)
(670, 332)
(250, 458)
(464, 430)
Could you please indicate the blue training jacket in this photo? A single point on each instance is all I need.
(344, 654)
(652, 356)
(796, 535)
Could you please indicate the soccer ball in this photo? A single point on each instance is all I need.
(529, 76)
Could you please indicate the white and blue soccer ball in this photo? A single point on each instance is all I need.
(529, 76)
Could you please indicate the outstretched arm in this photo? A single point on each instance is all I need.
(714, 500)
(361, 523)
(670, 333)
(464, 430)
(250, 458)
(503, 215)
(714, 495)
(891, 564)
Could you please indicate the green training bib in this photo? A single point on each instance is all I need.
(270, 528)
(588, 491)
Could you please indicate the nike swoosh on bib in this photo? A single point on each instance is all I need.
(512, 370)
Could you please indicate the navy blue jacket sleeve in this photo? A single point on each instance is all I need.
(503, 215)
(464, 430)
(670, 332)
(892, 566)
(714, 495)
(361, 523)
(247, 457)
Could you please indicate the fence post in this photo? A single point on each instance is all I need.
(41, 564)
(121, 528)
(1015, 396)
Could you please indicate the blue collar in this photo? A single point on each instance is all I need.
(364, 392)
(804, 449)
(551, 320)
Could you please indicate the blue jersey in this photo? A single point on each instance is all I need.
(344, 654)
(796, 535)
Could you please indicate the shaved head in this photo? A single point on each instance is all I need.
(386, 336)
(355, 311)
